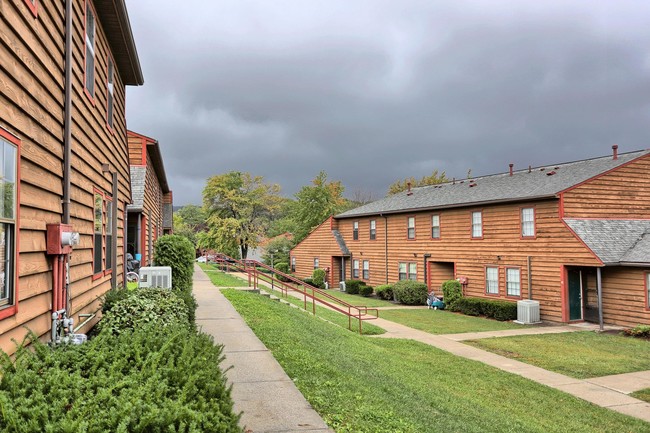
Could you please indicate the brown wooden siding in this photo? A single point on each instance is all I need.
(152, 208)
(622, 193)
(624, 296)
(31, 106)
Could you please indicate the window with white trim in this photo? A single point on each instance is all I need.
(355, 268)
(293, 264)
(109, 92)
(90, 49)
(492, 280)
(366, 269)
(408, 271)
(477, 224)
(373, 230)
(99, 232)
(413, 271)
(316, 263)
(410, 234)
(528, 222)
(355, 230)
(8, 211)
(435, 226)
(109, 233)
(513, 282)
(402, 271)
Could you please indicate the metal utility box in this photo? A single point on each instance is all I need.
(61, 238)
(528, 312)
(156, 276)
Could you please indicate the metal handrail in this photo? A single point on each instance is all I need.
(249, 267)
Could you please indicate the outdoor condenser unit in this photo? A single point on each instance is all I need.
(527, 312)
(156, 276)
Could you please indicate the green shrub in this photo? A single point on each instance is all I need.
(284, 268)
(352, 286)
(146, 307)
(149, 380)
(112, 296)
(365, 290)
(452, 291)
(176, 252)
(385, 291)
(308, 280)
(492, 308)
(640, 331)
(318, 278)
(410, 292)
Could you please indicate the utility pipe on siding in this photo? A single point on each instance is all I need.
(67, 109)
(600, 299)
(426, 276)
(530, 280)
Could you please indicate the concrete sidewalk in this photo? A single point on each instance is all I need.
(268, 398)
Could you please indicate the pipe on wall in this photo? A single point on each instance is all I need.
(67, 108)
(426, 256)
(530, 279)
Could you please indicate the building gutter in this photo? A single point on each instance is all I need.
(67, 109)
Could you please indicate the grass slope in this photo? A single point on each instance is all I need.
(444, 322)
(377, 385)
(577, 354)
(222, 279)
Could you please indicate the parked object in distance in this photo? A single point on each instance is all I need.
(202, 259)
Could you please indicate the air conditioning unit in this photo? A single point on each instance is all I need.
(342, 286)
(527, 312)
(156, 276)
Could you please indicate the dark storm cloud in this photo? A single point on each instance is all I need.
(374, 91)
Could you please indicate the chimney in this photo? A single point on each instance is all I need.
(615, 152)
(453, 182)
(530, 168)
(511, 165)
(409, 188)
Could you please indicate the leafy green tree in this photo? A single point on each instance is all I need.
(317, 202)
(279, 249)
(239, 208)
(402, 185)
(189, 221)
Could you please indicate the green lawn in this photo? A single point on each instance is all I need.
(222, 279)
(377, 385)
(342, 320)
(643, 394)
(577, 354)
(444, 322)
(360, 300)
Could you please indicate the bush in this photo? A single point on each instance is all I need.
(176, 252)
(384, 291)
(495, 309)
(365, 290)
(143, 308)
(307, 280)
(318, 277)
(284, 268)
(352, 286)
(409, 292)
(148, 380)
(452, 291)
(639, 331)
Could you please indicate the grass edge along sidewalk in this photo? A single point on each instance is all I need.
(361, 384)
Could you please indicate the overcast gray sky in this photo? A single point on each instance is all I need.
(372, 91)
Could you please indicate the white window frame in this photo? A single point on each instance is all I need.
(410, 227)
(492, 280)
(435, 226)
(413, 271)
(90, 33)
(366, 269)
(477, 224)
(373, 230)
(355, 269)
(355, 231)
(528, 222)
(513, 285)
(402, 271)
(293, 264)
(316, 262)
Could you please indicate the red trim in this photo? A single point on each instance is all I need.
(521, 223)
(99, 274)
(415, 236)
(90, 97)
(143, 148)
(330, 274)
(370, 230)
(564, 296)
(471, 225)
(11, 310)
(316, 265)
(498, 293)
(439, 226)
(33, 7)
(646, 277)
(107, 199)
(110, 60)
(355, 228)
(141, 136)
(505, 278)
(561, 206)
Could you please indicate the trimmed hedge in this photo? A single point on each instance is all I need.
(352, 286)
(452, 291)
(385, 291)
(176, 252)
(318, 277)
(410, 292)
(639, 331)
(365, 290)
(499, 310)
(284, 268)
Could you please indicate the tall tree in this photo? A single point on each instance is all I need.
(316, 202)
(189, 221)
(239, 208)
(402, 185)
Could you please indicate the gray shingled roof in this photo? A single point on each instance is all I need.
(615, 241)
(341, 242)
(540, 182)
(138, 175)
(168, 215)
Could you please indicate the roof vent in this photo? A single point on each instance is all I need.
(530, 168)
(472, 184)
(615, 152)
(542, 169)
(453, 181)
(409, 188)
(511, 165)
(551, 173)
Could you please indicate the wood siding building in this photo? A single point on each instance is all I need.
(65, 159)
(150, 213)
(545, 233)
